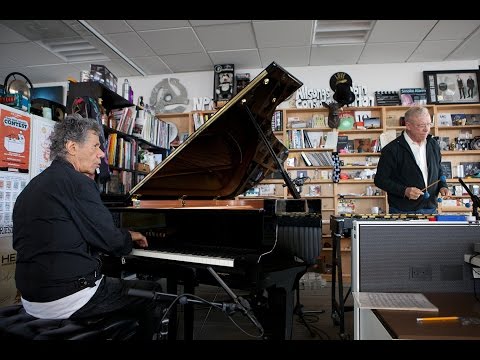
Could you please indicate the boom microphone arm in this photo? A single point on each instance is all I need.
(159, 296)
(475, 199)
(242, 304)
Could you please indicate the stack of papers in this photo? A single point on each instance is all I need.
(393, 301)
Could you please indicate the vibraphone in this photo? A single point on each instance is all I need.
(341, 225)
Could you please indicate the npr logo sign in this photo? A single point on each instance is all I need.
(202, 103)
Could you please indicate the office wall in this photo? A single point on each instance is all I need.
(376, 77)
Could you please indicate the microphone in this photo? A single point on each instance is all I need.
(242, 304)
(246, 310)
(141, 293)
(426, 194)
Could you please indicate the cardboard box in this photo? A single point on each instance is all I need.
(101, 74)
(143, 167)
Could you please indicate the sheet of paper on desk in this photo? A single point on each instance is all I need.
(393, 301)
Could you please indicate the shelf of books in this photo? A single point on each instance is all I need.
(358, 140)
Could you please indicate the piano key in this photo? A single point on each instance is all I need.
(196, 259)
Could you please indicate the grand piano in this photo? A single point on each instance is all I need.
(188, 210)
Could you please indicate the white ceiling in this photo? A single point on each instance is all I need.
(157, 47)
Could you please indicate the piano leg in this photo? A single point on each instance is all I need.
(187, 276)
(277, 319)
(189, 310)
(172, 328)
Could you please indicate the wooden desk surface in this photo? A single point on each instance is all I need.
(403, 324)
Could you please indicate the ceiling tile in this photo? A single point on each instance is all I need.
(291, 56)
(7, 70)
(469, 50)
(118, 67)
(242, 59)
(51, 73)
(40, 29)
(453, 29)
(141, 25)
(166, 46)
(335, 54)
(174, 41)
(387, 53)
(22, 54)
(109, 26)
(123, 68)
(188, 62)
(215, 22)
(130, 44)
(434, 50)
(9, 36)
(5, 61)
(152, 65)
(400, 30)
(283, 33)
(226, 37)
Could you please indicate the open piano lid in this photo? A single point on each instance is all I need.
(226, 156)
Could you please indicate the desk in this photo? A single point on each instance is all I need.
(388, 324)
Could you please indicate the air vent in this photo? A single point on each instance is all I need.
(341, 31)
(73, 49)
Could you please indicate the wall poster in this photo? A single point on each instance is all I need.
(11, 185)
(14, 140)
(40, 150)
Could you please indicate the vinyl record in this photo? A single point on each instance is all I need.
(446, 86)
(340, 78)
(475, 143)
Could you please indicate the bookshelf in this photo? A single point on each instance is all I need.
(198, 118)
(122, 145)
(356, 192)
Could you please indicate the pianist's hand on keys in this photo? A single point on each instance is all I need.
(139, 238)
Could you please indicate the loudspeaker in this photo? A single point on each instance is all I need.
(58, 110)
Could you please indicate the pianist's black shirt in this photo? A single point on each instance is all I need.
(59, 226)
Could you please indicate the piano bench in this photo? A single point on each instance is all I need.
(16, 324)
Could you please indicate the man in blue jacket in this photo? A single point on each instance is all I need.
(409, 164)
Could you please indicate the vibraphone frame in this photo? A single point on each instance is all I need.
(341, 225)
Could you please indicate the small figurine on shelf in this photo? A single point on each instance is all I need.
(223, 84)
(103, 112)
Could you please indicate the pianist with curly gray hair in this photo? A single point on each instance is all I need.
(60, 228)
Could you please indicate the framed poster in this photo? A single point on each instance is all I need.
(15, 129)
(452, 86)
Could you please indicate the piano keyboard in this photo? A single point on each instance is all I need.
(189, 258)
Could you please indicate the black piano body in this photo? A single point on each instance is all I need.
(246, 241)
(192, 219)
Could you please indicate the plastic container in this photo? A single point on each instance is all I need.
(126, 89)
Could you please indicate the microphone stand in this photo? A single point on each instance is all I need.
(228, 308)
(242, 304)
(475, 199)
(239, 303)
